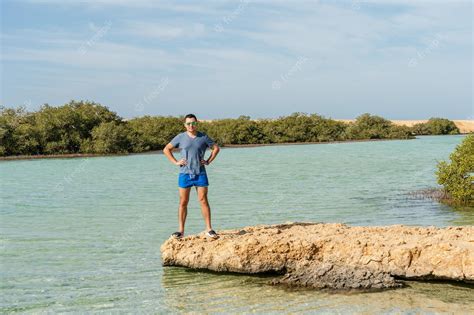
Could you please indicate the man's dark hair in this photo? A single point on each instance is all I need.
(190, 116)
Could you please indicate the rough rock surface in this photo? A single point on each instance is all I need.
(330, 276)
(332, 255)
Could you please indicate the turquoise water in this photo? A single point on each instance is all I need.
(83, 235)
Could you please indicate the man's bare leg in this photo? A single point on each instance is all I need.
(205, 209)
(183, 207)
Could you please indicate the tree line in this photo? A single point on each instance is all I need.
(88, 127)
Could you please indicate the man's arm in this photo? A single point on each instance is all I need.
(169, 154)
(215, 150)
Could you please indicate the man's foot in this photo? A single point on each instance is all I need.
(212, 234)
(177, 235)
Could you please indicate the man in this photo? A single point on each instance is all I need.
(192, 171)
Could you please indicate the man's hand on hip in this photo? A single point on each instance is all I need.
(181, 162)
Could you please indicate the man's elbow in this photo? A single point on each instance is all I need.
(167, 149)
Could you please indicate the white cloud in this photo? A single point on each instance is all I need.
(357, 56)
(103, 55)
(132, 4)
(163, 31)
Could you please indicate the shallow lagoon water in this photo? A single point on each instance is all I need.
(83, 235)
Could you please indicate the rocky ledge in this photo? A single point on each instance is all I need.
(332, 255)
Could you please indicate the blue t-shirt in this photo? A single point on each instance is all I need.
(192, 149)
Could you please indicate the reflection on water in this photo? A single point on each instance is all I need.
(196, 291)
(465, 215)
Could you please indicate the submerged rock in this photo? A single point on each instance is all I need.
(331, 276)
(332, 255)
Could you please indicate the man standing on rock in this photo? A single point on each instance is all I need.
(192, 172)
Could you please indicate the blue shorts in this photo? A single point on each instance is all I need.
(188, 180)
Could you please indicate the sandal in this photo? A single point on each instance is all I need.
(211, 234)
(177, 235)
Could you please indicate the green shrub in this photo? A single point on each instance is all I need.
(62, 129)
(457, 177)
(153, 133)
(17, 132)
(235, 131)
(51, 130)
(400, 132)
(301, 127)
(420, 129)
(110, 137)
(436, 126)
(369, 126)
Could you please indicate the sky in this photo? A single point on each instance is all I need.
(405, 59)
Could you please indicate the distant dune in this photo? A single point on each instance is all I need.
(465, 126)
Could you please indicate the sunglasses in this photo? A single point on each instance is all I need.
(192, 123)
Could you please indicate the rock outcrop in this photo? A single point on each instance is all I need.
(332, 255)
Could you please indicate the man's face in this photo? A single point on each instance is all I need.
(190, 124)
